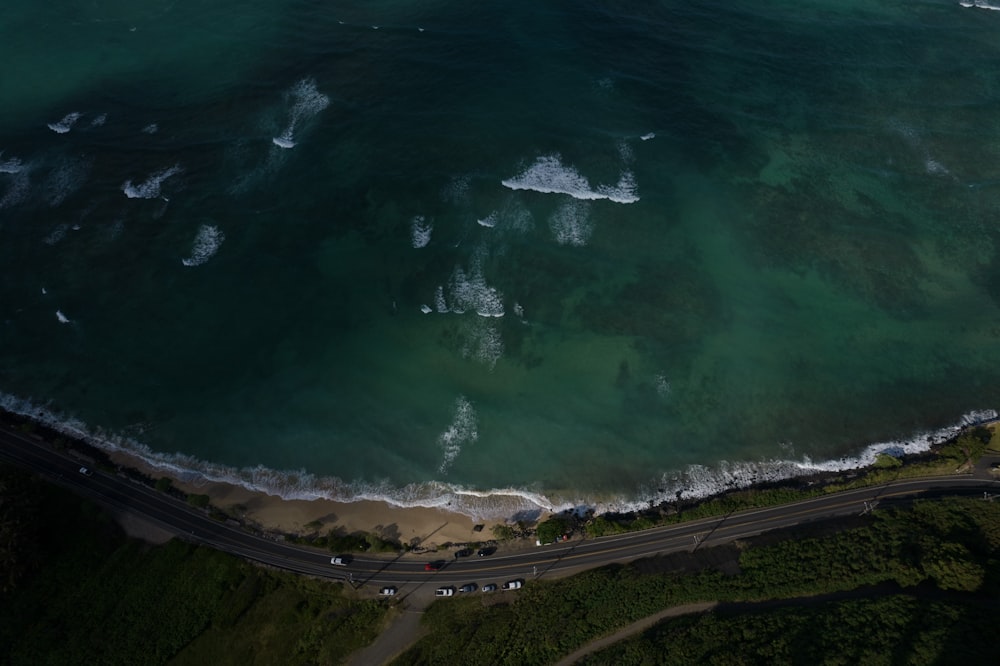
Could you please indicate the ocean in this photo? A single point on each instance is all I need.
(500, 255)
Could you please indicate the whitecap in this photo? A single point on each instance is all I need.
(469, 291)
(462, 431)
(206, 244)
(63, 319)
(979, 4)
(99, 120)
(66, 124)
(12, 165)
(151, 128)
(149, 188)
(306, 101)
(647, 136)
(549, 175)
(420, 231)
(489, 221)
(426, 309)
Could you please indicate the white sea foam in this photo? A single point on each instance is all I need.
(149, 188)
(65, 179)
(469, 291)
(489, 221)
(647, 136)
(63, 319)
(151, 128)
(478, 504)
(11, 165)
(462, 431)
(625, 152)
(306, 102)
(426, 309)
(18, 189)
(550, 176)
(420, 231)
(663, 388)
(99, 120)
(519, 310)
(66, 124)
(206, 244)
(571, 225)
(699, 481)
(439, 303)
(979, 4)
(483, 341)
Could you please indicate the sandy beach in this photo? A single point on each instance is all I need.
(427, 527)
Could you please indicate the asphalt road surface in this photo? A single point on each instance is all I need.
(407, 572)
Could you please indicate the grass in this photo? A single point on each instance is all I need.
(95, 596)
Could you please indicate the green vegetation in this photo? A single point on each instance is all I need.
(949, 546)
(554, 528)
(163, 484)
(198, 501)
(949, 457)
(896, 629)
(94, 596)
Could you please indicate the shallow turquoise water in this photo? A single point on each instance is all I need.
(576, 249)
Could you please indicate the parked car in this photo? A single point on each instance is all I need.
(489, 588)
(388, 591)
(484, 552)
(340, 560)
(433, 566)
(468, 587)
(465, 552)
(444, 592)
(513, 585)
(86, 471)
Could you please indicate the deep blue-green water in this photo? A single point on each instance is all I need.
(570, 251)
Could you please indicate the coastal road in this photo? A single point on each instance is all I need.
(119, 493)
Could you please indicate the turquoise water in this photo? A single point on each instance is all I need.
(574, 251)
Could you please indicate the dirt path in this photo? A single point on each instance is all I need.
(403, 631)
(635, 628)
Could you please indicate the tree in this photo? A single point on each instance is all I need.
(553, 528)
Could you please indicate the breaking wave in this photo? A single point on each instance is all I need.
(149, 188)
(550, 176)
(66, 124)
(492, 504)
(306, 101)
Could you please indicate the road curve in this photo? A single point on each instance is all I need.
(118, 492)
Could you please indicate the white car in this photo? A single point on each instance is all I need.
(388, 591)
(444, 592)
(340, 560)
(513, 585)
(86, 471)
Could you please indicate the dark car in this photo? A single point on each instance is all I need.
(489, 588)
(465, 552)
(484, 552)
(433, 566)
(470, 587)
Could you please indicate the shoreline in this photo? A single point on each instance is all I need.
(437, 522)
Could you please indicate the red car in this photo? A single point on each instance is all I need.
(432, 566)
